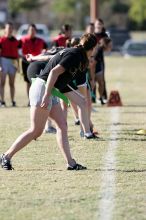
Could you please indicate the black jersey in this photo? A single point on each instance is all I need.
(72, 59)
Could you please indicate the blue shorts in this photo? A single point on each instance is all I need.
(9, 66)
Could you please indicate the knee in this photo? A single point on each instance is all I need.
(2, 83)
(36, 132)
(11, 85)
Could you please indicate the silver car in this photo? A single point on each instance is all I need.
(134, 48)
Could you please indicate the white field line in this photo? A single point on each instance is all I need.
(107, 195)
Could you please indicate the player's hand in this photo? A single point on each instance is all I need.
(46, 102)
(29, 57)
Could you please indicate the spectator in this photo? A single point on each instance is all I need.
(9, 62)
(31, 44)
(64, 35)
(90, 28)
(97, 69)
(100, 33)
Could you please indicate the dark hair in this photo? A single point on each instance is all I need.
(75, 41)
(104, 42)
(65, 27)
(88, 41)
(102, 22)
(33, 26)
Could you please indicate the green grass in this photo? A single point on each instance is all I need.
(40, 187)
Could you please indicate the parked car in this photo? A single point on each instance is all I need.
(134, 48)
(119, 37)
(42, 32)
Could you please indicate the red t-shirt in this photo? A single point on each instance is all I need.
(60, 40)
(9, 47)
(33, 46)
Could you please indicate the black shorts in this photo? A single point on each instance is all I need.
(34, 69)
(25, 65)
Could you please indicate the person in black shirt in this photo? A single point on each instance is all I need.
(100, 33)
(98, 66)
(59, 71)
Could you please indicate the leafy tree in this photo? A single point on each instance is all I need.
(16, 6)
(71, 11)
(138, 12)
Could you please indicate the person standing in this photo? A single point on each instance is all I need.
(100, 33)
(31, 44)
(64, 35)
(9, 62)
(98, 65)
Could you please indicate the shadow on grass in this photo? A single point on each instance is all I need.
(122, 139)
(134, 105)
(122, 171)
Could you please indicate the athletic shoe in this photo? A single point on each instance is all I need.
(81, 133)
(2, 104)
(141, 132)
(101, 101)
(5, 163)
(92, 136)
(50, 130)
(105, 101)
(77, 122)
(13, 104)
(93, 110)
(76, 167)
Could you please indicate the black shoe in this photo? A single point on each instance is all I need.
(77, 122)
(3, 104)
(13, 104)
(102, 101)
(76, 167)
(5, 163)
(92, 136)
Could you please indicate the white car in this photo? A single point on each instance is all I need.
(42, 32)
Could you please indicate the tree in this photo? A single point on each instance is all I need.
(71, 11)
(16, 6)
(138, 12)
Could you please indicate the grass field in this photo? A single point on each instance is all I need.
(113, 187)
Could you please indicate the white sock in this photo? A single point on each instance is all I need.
(88, 134)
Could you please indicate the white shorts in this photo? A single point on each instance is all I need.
(82, 85)
(36, 94)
